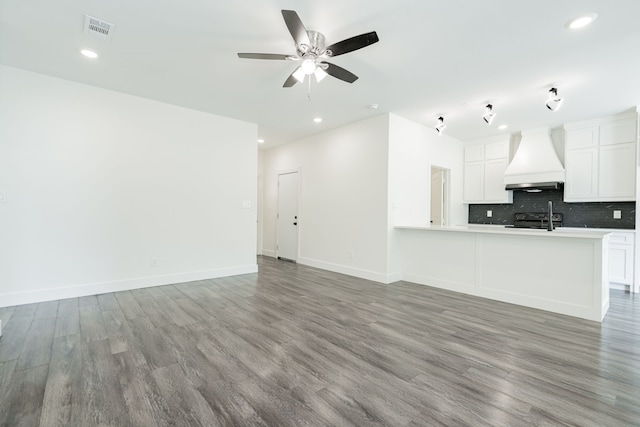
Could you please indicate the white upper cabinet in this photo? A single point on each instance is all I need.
(484, 164)
(600, 159)
(581, 174)
(474, 181)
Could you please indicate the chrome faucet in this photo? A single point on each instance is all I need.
(550, 220)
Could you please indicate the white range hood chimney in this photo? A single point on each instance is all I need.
(536, 164)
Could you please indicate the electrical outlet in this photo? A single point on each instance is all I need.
(154, 262)
(617, 214)
(3, 197)
(351, 254)
(489, 214)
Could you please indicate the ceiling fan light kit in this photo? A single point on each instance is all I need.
(311, 50)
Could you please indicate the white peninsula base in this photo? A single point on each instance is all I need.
(561, 271)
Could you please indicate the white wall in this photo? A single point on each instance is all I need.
(357, 182)
(343, 197)
(99, 184)
(413, 149)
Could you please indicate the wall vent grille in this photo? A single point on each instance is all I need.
(97, 28)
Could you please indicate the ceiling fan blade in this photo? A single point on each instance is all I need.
(353, 43)
(296, 28)
(339, 72)
(291, 80)
(263, 56)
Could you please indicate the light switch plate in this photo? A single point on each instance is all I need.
(617, 214)
(3, 197)
(246, 204)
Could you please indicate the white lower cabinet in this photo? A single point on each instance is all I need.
(621, 258)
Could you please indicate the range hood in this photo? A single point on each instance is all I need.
(536, 165)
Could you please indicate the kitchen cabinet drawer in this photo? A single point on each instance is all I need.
(621, 237)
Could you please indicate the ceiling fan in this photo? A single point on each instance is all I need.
(311, 50)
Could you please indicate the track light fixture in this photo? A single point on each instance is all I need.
(440, 126)
(488, 115)
(554, 101)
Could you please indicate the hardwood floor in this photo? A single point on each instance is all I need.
(296, 346)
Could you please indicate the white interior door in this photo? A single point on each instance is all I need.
(287, 244)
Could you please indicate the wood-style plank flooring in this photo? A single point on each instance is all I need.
(297, 346)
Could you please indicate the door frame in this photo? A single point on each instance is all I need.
(446, 192)
(279, 172)
(260, 215)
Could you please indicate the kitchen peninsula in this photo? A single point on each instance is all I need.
(563, 271)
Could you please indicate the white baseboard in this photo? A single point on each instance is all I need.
(51, 294)
(620, 287)
(269, 253)
(352, 271)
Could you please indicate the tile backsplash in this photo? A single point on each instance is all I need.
(588, 215)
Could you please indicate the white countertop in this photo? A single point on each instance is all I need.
(582, 233)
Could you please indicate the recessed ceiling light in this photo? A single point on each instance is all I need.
(89, 53)
(502, 127)
(261, 141)
(374, 106)
(318, 119)
(582, 21)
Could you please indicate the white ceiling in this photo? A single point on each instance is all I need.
(434, 57)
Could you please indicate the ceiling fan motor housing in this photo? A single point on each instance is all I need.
(317, 44)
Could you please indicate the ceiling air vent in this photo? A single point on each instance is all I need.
(97, 28)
